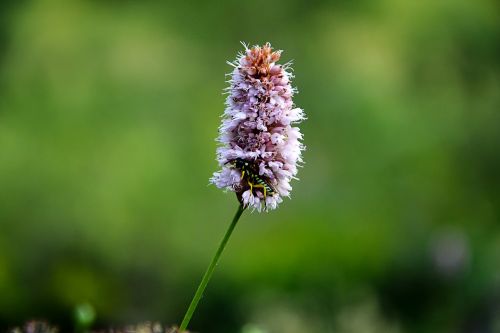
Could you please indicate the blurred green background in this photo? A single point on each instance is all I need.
(108, 115)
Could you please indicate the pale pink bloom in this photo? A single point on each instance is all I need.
(258, 127)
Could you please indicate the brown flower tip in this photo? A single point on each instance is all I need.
(258, 61)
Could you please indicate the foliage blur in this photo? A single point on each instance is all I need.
(108, 115)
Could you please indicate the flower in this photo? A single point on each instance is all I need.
(147, 327)
(258, 128)
(35, 326)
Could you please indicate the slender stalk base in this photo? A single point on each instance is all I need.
(210, 270)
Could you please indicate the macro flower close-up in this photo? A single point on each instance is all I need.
(283, 166)
(258, 132)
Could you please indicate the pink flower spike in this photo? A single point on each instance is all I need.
(260, 147)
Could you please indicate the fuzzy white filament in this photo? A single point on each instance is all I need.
(258, 128)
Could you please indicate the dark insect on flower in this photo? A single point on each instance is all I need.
(250, 174)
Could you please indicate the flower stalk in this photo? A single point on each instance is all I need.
(259, 145)
(210, 270)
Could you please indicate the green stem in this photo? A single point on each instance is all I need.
(209, 272)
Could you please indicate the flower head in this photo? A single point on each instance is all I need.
(35, 326)
(260, 147)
